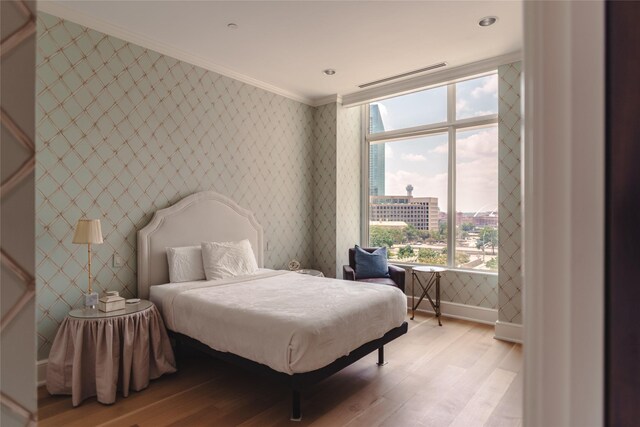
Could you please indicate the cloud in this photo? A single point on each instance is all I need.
(440, 149)
(413, 157)
(464, 110)
(490, 86)
(388, 151)
(483, 144)
(462, 105)
(423, 185)
(477, 174)
(477, 171)
(477, 185)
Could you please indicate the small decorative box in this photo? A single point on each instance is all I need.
(112, 301)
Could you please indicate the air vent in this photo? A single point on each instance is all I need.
(399, 76)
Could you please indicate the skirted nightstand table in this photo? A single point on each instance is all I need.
(432, 279)
(96, 353)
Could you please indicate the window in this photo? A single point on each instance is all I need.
(433, 168)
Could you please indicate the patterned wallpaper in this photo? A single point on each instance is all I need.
(462, 287)
(17, 288)
(348, 195)
(324, 189)
(468, 288)
(336, 186)
(123, 131)
(510, 195)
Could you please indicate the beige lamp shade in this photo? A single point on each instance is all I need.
(88, 231)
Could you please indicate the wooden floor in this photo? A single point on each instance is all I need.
(454, 375)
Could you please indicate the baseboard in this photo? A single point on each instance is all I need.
(488, 316)
(41, 370)
(506, 331)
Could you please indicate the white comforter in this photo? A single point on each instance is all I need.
(288, 321)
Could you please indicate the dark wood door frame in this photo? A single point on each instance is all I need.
(622, 267)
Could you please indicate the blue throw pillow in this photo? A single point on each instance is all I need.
(369, 265)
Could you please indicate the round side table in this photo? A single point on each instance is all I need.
(94, 313)
(97, 353)
(310, 272)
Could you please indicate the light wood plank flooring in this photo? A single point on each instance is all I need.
(454, 375)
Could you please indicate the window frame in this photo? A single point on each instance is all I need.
(450, 127)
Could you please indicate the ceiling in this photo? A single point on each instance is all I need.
(284, 46)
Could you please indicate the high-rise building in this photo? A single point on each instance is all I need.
(421, 212)
(376, 154)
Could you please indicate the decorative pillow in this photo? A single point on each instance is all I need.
(228, 259)
(185, 264)
(370, 265)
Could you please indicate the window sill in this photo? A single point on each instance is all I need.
(407, 265)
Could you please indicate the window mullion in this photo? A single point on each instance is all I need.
(451, 198)
(364, 179)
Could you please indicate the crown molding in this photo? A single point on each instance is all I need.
(330, 99)
(64, 12)
(462, 72)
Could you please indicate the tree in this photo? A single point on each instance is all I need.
(430, 256)
(440, 234)
(405, 252)
(488, 236)
(384, 236)
(411, 233)
(462, 258)
(492, 264)
(379, 236)
(467, 226)
(442, 228)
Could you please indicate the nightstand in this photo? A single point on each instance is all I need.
(97, 353)
(310, 272)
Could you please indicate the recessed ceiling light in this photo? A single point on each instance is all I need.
(232, 26)
(487, 21)
(329, 71)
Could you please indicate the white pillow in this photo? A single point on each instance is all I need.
(228, 259)
(185, 264)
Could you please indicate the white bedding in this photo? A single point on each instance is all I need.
(290, 322)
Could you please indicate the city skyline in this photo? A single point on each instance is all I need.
(423, 161)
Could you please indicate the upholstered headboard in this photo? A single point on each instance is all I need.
(201, 217)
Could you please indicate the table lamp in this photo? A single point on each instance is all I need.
(88, 231)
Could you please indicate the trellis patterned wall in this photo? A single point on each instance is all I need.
(463, 287)
(123, 131)
(336, 186)
(18, 404)
(510, 195)
(324, 187)
(348, 166)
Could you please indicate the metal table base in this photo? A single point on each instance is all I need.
(434, 279)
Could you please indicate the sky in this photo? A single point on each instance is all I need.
(422, 162)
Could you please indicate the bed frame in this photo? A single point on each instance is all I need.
(209, 216)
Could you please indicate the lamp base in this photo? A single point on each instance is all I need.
(91, 300)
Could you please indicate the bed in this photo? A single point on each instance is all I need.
(295, 328)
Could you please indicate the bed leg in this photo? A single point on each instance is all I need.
(177, 350)
(296, 413)
(381, 361)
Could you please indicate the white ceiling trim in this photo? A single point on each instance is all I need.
(432, 79)
(83, 19)
(327, 100)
